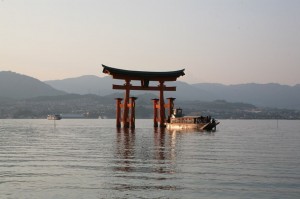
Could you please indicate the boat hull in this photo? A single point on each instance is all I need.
(199, 126)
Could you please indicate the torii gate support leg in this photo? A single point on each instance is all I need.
(170, 107)
(118, 112)
(155, 107)
(132, 112)
(126, 101)
(162, 104)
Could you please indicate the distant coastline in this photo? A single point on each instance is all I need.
(93, 107)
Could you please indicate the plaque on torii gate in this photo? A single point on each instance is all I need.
(145, 77)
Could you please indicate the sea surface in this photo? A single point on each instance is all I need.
(72, 159)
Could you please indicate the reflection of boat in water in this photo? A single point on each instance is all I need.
(178, 121)
(54, 117)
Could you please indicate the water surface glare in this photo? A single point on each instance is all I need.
(92, 159)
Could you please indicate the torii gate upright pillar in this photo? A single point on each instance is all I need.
(132, 112)
(126, 101)
(118, 112)
(155, 107)
(170, 106)
(161, 104)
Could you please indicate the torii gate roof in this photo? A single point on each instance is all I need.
(142, 75)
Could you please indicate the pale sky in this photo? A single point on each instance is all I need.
(216, 41)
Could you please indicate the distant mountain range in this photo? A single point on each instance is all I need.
(16, 86)
(262, 95)
(88, 84)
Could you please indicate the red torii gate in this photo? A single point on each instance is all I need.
(144, 77)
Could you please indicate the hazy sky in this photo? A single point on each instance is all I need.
(216, 41)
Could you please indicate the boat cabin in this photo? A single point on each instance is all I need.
(176, 112)
(178, 117)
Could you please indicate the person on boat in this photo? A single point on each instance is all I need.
(213, 121)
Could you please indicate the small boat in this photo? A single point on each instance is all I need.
(178, 121)
(54, 117)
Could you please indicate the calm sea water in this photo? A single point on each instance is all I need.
(91, 159)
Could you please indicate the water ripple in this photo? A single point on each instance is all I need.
(92, 159)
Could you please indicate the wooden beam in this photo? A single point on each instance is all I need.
(117, 73)
(117, 76)
(149, 88)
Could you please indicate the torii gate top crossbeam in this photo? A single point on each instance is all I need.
(142, 75)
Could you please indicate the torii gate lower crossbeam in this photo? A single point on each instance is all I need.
(144, 77)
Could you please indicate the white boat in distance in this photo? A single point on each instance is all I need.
(54, 117)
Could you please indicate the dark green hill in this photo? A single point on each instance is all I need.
(17, 86)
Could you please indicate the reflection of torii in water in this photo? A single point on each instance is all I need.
(144, 77)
